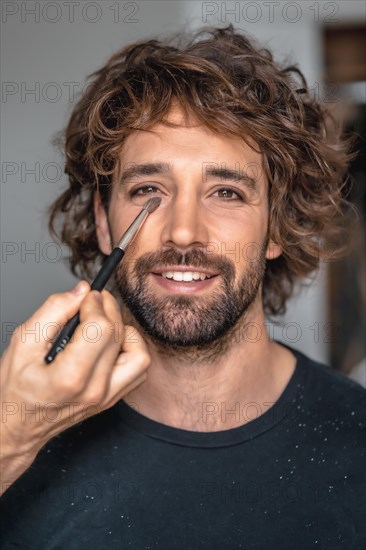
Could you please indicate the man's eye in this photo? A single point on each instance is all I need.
(227, 194)
(143, 187)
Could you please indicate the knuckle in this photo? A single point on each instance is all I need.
(97, 327)
(73, 383)
(106, 326)
(144, 360)
(55, 300)
(93, 395)
(97, 319)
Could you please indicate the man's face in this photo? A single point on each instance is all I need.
(213, 218)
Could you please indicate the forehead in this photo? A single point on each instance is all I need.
(189, 144)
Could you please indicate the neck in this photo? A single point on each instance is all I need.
(231, 390)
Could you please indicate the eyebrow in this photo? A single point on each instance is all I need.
(228, 174)
(134, 171)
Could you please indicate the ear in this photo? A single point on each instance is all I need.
(101, 224)
(273, 251)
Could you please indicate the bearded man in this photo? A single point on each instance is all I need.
(182, 425)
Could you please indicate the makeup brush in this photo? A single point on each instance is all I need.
(104, 274)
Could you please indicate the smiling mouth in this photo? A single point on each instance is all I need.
(185, 277)
(171, 284)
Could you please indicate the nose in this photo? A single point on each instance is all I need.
(184, 225)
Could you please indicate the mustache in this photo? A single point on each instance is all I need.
(194, 258)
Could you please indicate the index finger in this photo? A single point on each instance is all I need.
(42, 326)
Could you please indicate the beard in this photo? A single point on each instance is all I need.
(194, 328)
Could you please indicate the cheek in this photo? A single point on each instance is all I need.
(245, 239)
(248, 226)
(120, 217)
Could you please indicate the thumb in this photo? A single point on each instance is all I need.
(56, 311)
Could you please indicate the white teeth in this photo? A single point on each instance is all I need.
(185, 275)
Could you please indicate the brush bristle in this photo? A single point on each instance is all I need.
(152, 204)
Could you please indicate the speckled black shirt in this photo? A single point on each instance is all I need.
(290, 478)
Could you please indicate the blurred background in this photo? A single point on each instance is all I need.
(48, 49)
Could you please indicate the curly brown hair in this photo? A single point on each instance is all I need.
(233, 87)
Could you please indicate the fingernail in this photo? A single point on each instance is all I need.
(80, 288)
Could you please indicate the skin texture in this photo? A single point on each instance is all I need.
(212, 346)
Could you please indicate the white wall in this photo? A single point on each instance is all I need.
(51, 51)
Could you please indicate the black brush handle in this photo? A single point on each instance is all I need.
(107, 269)
(63, 338)
(98, 284)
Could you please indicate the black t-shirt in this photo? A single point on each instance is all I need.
(292, 477)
